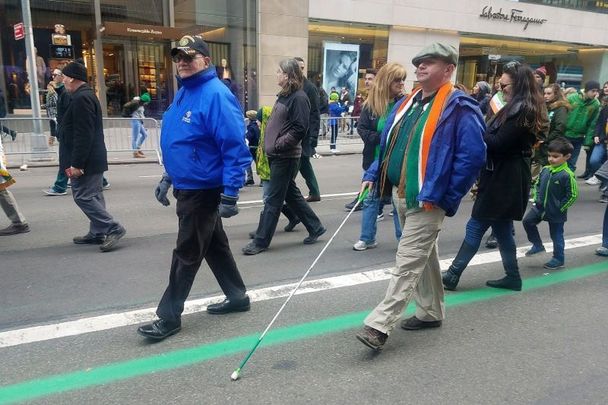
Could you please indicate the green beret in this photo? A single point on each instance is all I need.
(440, 51)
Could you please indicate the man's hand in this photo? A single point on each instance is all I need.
(75, 172)
(596, 139)
(162, 189)
(228, 206)
(52, 140)
(366, 185)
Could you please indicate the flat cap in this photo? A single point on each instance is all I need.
(437, 50)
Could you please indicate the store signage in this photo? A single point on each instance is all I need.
(142, 30)
(513, 16)
(494, 57)
(19, 31)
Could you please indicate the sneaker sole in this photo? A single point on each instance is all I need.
(365, 248)
(553, 268)
(366, 343)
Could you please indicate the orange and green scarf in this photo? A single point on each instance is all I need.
(414, 167)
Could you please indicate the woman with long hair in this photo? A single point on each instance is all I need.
(557, 109)
(504, 184)
(283, 135)
(386, 90)
(482, 92)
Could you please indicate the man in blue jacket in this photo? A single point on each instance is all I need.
(205, 157)
(431, 151)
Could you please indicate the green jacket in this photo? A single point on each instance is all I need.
(554, 192)
(582, 118)
(261, 161)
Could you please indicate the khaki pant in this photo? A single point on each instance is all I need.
(10, 207)
(416, 274)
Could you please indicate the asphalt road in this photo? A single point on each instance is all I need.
(544, 345)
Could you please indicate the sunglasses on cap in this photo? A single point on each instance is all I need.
(185, 57)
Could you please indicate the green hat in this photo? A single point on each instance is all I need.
(440, 51)
(334, 97)
(145, 98)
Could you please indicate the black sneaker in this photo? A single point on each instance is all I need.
(89, 239)
(372, 338)
(292, 224)
(112, 239)
(312, 238)
(450, 280)
(14, 229)
(507, 283)
(414, 323)
(491, 242)
(253, 249)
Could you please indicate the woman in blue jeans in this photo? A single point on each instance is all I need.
(385, 91)
(504, 184)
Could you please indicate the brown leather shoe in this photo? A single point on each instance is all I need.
(313, 198)
(414, 323)
(14, 229)
(372, 338)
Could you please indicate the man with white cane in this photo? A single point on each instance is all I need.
(430, 154)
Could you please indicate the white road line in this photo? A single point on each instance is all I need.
(104, 322)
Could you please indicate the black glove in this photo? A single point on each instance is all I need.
(162, 189)
(228, 206)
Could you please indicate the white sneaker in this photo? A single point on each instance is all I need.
(361, 245)
(335, 151)
(316, 156)
(380, 217)
(593, 181)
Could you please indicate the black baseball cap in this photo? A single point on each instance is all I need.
(191, 45)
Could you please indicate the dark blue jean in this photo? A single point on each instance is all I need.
(556, 229)
(598, 157)
(605, 229)
(334, 135)
(475, 230)
(577, 143)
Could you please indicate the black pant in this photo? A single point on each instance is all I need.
(283, 187)
(200, 236)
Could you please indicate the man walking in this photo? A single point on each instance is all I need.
(309, 142)
(84, 158)
(431, 152)
(205, 156)
(582, 119)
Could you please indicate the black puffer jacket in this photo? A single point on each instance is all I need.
(287, 126)
(367, 130)
(82, 143)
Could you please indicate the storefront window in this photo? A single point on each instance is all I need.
(339, 53)
(229, 26)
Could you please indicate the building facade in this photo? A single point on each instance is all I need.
(339, 39)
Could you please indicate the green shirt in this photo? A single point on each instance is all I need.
(381, 123)
(412, 125)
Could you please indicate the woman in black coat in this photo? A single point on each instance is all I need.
(504, 184)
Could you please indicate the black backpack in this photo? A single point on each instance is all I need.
(129, 108)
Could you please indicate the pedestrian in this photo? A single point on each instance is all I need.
(539, 76)
(598, 150)
(54, 88)
(287, 126)
(323, 111)
(204, 123)
(253, 140)
(554, 192)
(430, 153)
(386, 91)
(7, 201)
(482, 92)
(309, 142)
(60, 186)
(85, 158)
(335, 114)
(263, 170)
(580, 126)
(603, 250)
(504, 183)
(138, 130)
(3, 128)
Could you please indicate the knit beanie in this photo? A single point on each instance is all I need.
(592, 85)
(76, 71)
(542, 72)
(145, 98)
(252, 115)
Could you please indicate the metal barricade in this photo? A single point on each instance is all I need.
(119, 135)
(26, 140)
(346, 128)
(31, 139)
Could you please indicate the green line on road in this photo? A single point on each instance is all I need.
(181, 358)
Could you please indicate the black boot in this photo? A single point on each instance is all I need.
(507, 283)
(512, 281)
(451, 277)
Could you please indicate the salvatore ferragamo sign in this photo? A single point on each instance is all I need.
(513, 16)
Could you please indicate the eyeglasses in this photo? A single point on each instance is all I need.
(399, 80)
(504, 85)
(56, 74)
(186, 58)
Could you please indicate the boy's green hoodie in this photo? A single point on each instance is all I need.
(582, 118)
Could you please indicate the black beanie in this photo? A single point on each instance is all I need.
(76, 71)
(592, 85)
